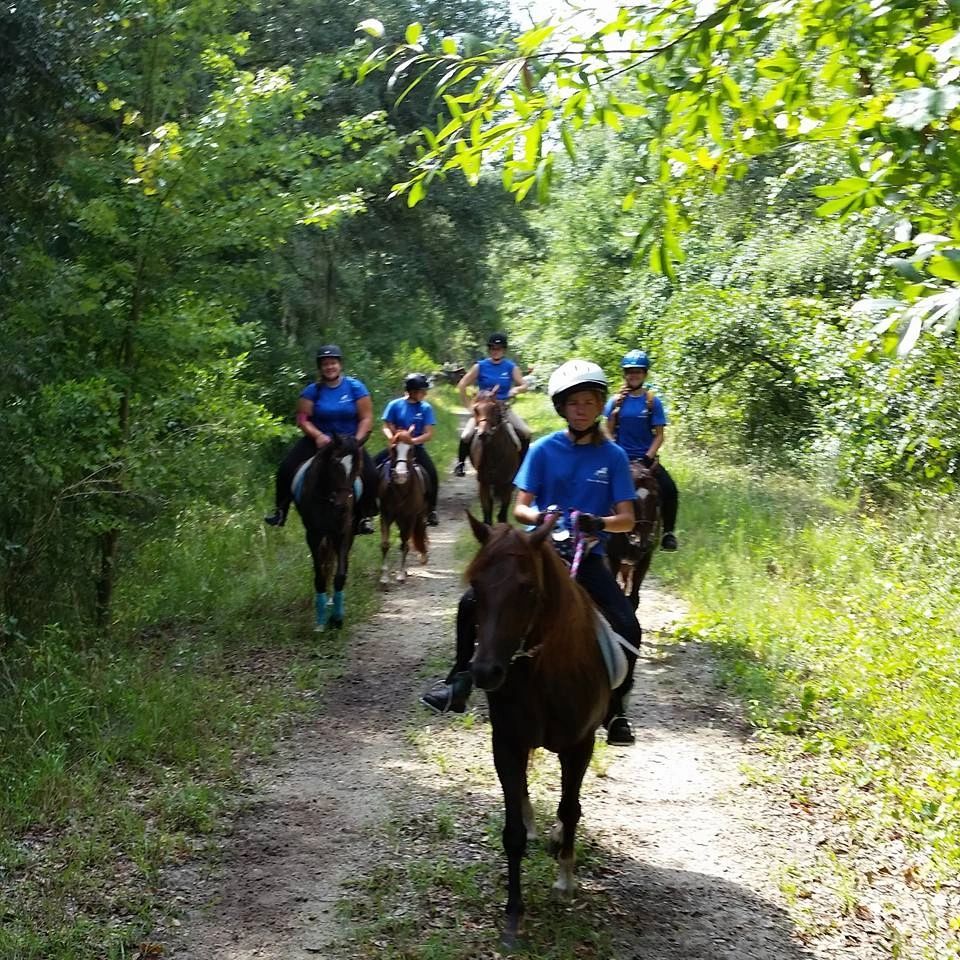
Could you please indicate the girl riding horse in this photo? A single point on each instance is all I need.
(579, 469)
(334, 404)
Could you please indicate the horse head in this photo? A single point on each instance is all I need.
(647, 503)
(488, 414)
(337, 468)
(508, 581)
(401, 455)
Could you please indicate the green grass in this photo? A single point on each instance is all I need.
(839, 625)
(119, 756)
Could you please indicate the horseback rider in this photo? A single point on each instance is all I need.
(410, 419)
(580, 469)
(500, 376)
(333, 403)
(636, 421)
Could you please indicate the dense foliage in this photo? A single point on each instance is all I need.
(194, 196)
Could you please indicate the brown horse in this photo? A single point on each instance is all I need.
(538, 660)
(403, 501)
(630, 554)
(495, 456)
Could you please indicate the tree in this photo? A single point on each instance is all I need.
(713, 85)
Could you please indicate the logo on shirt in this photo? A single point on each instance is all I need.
(345, 398)
(599, 476)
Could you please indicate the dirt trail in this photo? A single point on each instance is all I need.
(688, 854)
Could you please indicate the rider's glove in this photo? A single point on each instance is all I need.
(589, 524)
(647, 461)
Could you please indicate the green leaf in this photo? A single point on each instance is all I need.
(413, 33)
(416, 194)
(946, 268)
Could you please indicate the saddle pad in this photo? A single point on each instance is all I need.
(296, 485)
(612, 646)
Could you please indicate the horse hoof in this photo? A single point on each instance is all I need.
(401, 578)
(336, 623)
(384, 581)
(424, 559)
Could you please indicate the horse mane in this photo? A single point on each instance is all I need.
(565, 629)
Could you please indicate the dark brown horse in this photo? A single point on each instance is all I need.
(630, 553)
(403, 501)
(495, 456)
(538, 660)
(324, 493)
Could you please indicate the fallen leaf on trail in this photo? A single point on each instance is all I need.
(149, 951)
(863, 912)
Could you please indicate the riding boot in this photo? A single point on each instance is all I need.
(451, 695)
(276, 519)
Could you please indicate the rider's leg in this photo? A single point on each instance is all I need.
(367, 506)
(669, 503)
(595, 577)
(433, 484)
(454, 692)
(523, 431)
(296, 456)
(463, 451)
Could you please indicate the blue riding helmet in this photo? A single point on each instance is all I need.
(635, 358)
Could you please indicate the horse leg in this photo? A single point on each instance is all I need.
(340, 580)
(504, 506)
(315, 543)
(639, 572)
(573, 764)
(486, 503)
(511, 763)
(384, 550)
(404, 526)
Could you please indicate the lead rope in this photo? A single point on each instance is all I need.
(579, 542)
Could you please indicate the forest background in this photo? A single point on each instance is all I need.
(761, 195)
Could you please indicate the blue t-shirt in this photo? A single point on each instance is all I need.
(636, 422)
(335, 408)
(407, 415)
(591, 478)
(495, 376)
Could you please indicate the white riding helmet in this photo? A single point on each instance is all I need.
(575, 375)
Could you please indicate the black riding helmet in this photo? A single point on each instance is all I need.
(497, 340)
(329, 350)
(416, 381)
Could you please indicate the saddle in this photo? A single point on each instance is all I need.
(296, 485)
(384, 471)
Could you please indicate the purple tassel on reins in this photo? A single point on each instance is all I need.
(579, 541)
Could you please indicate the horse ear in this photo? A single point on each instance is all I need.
(543, 531)
(480, 530)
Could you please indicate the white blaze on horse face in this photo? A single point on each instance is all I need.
(401, 468)
(347, 462)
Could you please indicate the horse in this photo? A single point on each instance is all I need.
(403, 500)
(630, 554)
(325, 491)
(495, 455)
(538, 660)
